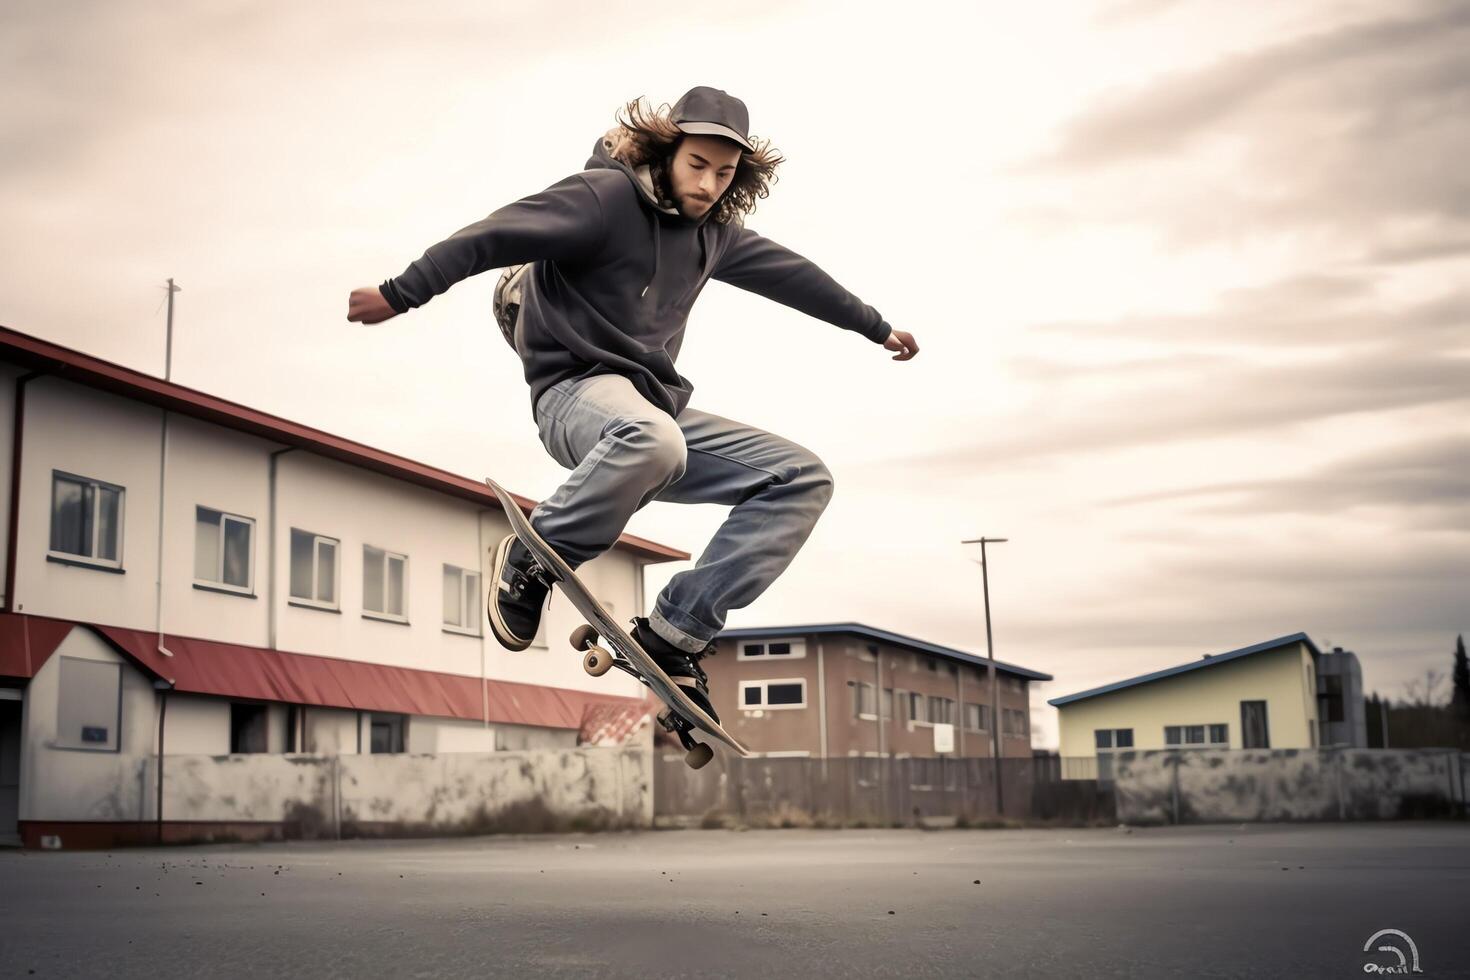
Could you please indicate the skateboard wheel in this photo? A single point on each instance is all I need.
(699, 755)
(597, 662)
(583, 637)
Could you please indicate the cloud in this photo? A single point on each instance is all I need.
(1346, 130)
(1236, 398)
(1429, 476)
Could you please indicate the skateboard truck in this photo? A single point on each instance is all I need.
(597, 661)
(696, 754)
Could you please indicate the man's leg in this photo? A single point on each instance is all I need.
(777, 488)
(622, 451)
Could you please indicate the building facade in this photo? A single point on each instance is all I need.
(846, 689)
(1267, 696)
(185, 575)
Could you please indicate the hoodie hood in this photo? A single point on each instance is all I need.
(609, 153)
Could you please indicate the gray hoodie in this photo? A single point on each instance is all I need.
(616, 273)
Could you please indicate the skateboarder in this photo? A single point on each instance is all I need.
(621, 251)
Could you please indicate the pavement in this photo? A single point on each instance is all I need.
(1272, 900)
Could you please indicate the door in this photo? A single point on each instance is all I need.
(1254, 731)
(10, 711)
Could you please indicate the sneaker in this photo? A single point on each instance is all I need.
(517, 596)
(681, 665)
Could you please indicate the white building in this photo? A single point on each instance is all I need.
(185, 575)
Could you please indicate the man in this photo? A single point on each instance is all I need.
(620, 252)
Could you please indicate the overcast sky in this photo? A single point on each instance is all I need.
(1189, 281)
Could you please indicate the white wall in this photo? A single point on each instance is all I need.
(196, 726)
(228, 471)
(79, 784)
(87, 433)
(79, 430)
(433, 735)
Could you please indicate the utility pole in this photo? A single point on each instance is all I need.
(990, 674)
(168, 350)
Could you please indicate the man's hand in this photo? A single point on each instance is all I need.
(367, 305)
(903, 342)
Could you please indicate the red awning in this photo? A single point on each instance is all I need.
(27, 642)
(237, 671)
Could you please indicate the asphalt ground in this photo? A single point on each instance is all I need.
(1270, 900)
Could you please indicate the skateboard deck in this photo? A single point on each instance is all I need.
(683, 715)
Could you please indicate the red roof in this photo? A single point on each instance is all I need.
(233, 670)
(63, 362)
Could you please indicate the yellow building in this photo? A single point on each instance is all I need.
(1261, 696)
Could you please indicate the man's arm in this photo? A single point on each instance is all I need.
(562, 223)
(761, 266)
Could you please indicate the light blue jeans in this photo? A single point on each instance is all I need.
(624, 451)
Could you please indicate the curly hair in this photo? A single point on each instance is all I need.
(648, 136)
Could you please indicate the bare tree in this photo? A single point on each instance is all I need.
(1420, 692)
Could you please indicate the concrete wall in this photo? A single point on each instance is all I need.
(397, 795)
(1283, 678)
(1208, 785)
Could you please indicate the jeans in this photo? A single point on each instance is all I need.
(624, 452)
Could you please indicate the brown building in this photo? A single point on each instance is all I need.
(845, 689)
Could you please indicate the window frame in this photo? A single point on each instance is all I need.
(383, 615)
(464, 594)
(220, 585)
(796, 646)
(764, 685)
(1180, 741)
(63, 741)
(314, 603)
(90, 561)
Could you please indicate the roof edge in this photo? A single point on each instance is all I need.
(1208, 660)
(77, 366)
(898, 639)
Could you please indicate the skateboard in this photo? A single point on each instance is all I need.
(681, 716)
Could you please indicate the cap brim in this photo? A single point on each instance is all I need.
(714, 129)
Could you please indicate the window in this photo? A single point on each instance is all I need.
(86, 520)
(864, 700)
(1330, 704)
(222, 550)
(1254, 731)
(773, 649)
(387, 734)
(886, 706)
(89, 708)
(1013, 721)
(977, 717)
(314, 564)
(384, 576)
(918, 708)
(773, 694)
(248, 728)
(462, 600)
(1196, 736)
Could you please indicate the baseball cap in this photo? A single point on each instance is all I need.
(705, 111)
